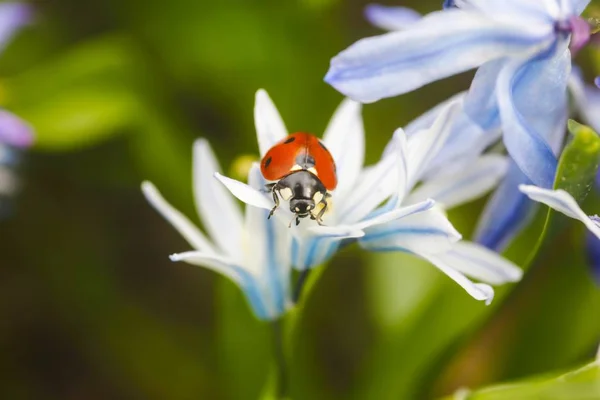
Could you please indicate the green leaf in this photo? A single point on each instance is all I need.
(583, 383)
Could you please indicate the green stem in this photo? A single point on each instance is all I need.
(281, 390)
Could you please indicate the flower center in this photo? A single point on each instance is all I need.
(578, 28)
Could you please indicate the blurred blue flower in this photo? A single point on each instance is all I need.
(408, 221)
(521, 49)
(13, 16)
(593, 255)
(249, 249)
(449, 184)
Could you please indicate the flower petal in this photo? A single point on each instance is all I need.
(340, 231)
(593, 255)
(481, 103)
(527, 144)
(397, 213)
(245, 193)
(246, 281)
(428, 231)
(462, 183)
(518, 11)
(425, 145)
(479, 291)
(480, 263)
(506, 213)
(399, 62)
(345, 140)
(374, 185)
(13, 16)
(179, 221)
(14, 131)
(313, 251)
(391, 18)
(270, 128)
(580, 5)
(266, 244)
(586, 99)
(220, 214)
(563, 202)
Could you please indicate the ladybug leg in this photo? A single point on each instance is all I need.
(268, 187)
(319, 216)
(276, 200)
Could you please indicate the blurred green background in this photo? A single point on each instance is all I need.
(90, 305)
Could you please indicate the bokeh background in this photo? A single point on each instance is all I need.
(92, 308)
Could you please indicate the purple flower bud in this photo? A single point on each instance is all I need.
(14, 131)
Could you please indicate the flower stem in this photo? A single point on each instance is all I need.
(300, 285)
(281, 390)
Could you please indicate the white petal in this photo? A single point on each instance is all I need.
(373, 186)
(183, 225)
(481, 263)
(266, 244)
(340, 231)
(345, 140)
(270, 128)
(397, 213)
(213, 262)
(312, 251)
(428, 231)
(245, 193)
(423, 146)
(218, 210)
(462, 184)
(479, 291)
(391, 18)
(563, 202)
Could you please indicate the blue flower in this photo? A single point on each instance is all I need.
(249, 249)
(408, 221)
(521, 49)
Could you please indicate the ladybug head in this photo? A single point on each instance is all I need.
(302, 207)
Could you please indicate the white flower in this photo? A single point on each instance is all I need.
(359, 190)
(455, 183)
(249, 249)
(563, 202)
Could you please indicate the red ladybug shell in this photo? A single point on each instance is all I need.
(301, 150)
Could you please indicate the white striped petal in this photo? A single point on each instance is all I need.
(481, 263)
(246, 193)
(563, 202)
(270, 128)
(213, 262)
(424, 145)
(218, 210)
(479, 291)
(461, 183)
(425, 232)
(345, 140)
(179, 221)
(391, 18)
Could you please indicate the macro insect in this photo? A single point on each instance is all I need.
(304, 172)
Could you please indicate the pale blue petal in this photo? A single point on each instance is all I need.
(221, 216)
(180, 222)
(518, 11)
(313, 251)
(506, 213)
(345, 140)
(593, 255)
(481, 103)
(270, 128)
(14, 131)
(428, 231)
(399, 62)
(391, 18)
(563, 202)
(266, 245)
(521, 120)
(481, 263)
(246, 193)
(586, 99)
(13, 16)
(479, 291)
(249, 283)
(456, 185)
(580, 5)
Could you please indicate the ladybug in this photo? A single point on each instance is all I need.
(304, 170)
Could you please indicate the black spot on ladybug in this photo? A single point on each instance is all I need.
(305, 160)
(322, 145)
(268, 162)
(290, 140)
